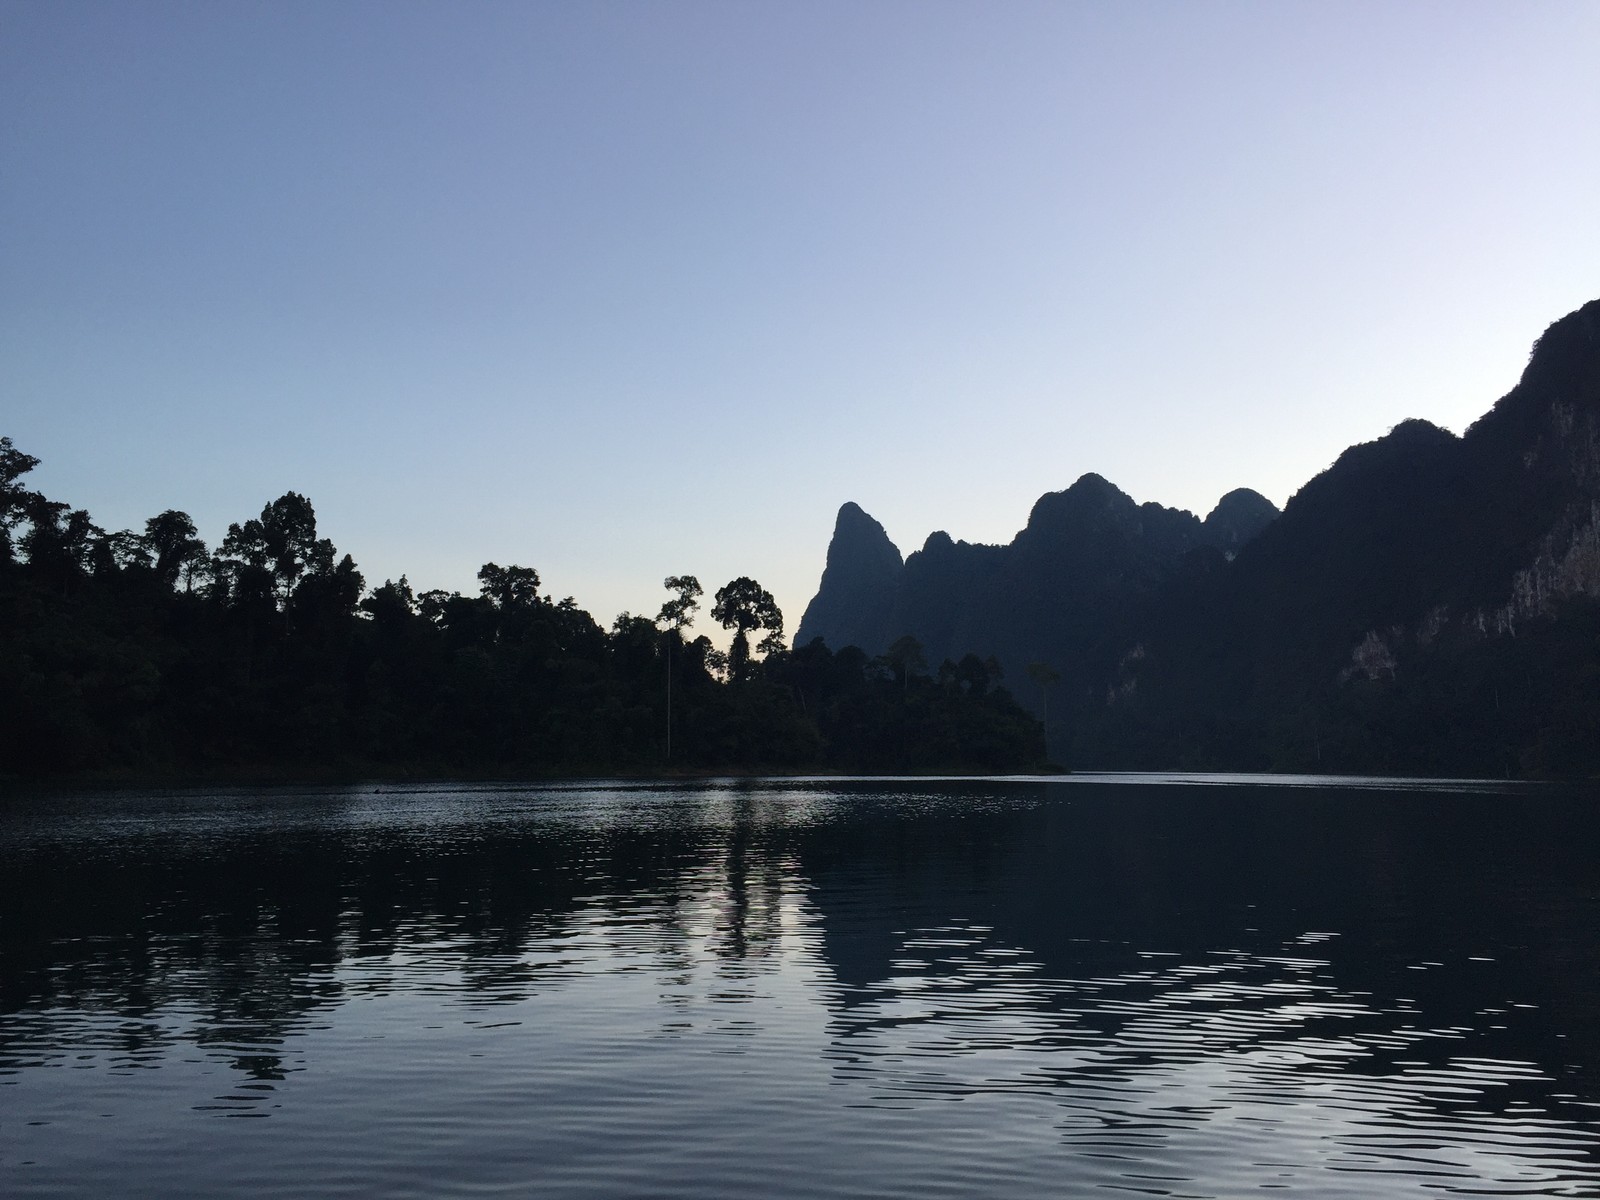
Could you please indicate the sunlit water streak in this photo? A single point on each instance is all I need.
(1167, 987)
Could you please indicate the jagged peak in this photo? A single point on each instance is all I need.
(857, 533)
(851, 513)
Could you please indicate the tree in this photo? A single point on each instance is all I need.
(171, 536)
(325, 598)
(509, 588)
(745, 606)
(13, 497)
(677, 614)
(61, 541)
(122, 551)
(281, 544)
(390, 604)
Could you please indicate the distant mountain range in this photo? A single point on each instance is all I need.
(1428, 603)
(1068, 590)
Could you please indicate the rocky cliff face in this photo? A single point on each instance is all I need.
(853, 602)
(1421, 532)
(1428, 603)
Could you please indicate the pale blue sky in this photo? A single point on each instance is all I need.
(626, 290)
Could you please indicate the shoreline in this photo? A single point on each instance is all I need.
(378, 777)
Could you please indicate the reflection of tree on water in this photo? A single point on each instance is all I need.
(233, 940)
(751, 877)
(993, 945)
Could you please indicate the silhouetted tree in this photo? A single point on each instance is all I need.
(13, 496)
(124, 550)
(509, 587)
(390, 603)
(60, 542)
(175, 542)
(975, 675)
(677, 614)
(276, 549)
(745, 606)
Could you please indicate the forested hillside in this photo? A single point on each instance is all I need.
(144, 654)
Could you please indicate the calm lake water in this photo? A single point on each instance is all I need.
(1168, 986)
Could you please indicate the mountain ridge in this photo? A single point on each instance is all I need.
(1088, 549)
(1420, 561)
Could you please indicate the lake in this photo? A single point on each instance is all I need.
(1197, 986)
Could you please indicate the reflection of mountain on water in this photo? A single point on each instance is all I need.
(1189, 973)
(1114, 947)
(1092, 882)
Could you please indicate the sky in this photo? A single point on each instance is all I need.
(627, 290)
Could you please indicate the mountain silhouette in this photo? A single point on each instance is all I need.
(1434, 589)
(1429, 602)
(1067, 590)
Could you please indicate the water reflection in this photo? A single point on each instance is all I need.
(1190, 989)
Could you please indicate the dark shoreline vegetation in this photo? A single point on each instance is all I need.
(1427, 606)
(139, 657)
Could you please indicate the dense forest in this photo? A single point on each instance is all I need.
(145, 654)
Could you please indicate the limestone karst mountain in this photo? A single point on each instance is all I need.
(1430, 602)
(1067, 590)
(853, 603)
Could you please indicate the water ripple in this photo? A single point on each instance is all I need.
(812, 988)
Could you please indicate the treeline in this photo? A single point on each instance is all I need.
(147, 654)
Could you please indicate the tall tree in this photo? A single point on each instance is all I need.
(745, 606)
(282, 543)
(173, 539)
(509, 587)
(677, 614)
(14, 464)
(61, 541)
